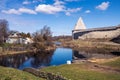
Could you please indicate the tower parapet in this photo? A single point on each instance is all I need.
(79, 26)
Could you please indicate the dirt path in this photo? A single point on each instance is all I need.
(97, 67)
(102, 68)
(94, 60)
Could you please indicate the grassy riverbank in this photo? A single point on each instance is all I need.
(99, 69)
(14, 74)
(83, 71)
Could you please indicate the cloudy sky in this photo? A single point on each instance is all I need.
(59, 15)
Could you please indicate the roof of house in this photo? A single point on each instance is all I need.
(14, 35)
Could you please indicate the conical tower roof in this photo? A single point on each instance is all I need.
(80, 24)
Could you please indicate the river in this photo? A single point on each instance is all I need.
(58, 57)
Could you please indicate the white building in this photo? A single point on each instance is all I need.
(14, 38)
(28, 41)
(17, 39)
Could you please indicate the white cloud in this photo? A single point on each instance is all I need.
(69, 11)
(58, 6)
(26, 2)
(26, 10)
(19, 11)
(11, 11)
(103, 6)
(72, 0)
(87, 11)
(58, 3)
(73, 10)
(35, 1)
(51, 9)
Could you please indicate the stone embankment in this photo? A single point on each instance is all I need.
(45, 75)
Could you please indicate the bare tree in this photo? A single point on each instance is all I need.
(42, 38)
(46, 33)
(43, 34)
(37, 37)
(3, 30)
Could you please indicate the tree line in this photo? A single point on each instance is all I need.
(41, 38)
(4, 30)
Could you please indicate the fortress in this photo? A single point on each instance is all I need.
(105, 33)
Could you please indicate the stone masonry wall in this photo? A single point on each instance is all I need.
(97, 34)
(101, 34)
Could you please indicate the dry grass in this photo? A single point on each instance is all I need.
(92, 45)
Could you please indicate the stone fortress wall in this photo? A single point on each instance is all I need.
(80, 32)
(97, 33)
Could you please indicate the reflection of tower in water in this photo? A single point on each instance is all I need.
(77, 55)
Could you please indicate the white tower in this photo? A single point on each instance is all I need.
(80, 24)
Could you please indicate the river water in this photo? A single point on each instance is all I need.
(58, 57)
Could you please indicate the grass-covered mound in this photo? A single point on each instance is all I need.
(13, 74)
(82, 72)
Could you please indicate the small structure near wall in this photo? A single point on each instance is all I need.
(68, 62)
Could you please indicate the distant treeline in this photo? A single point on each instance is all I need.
(62, 37)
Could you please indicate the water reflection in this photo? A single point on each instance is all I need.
(21, 61)
(77, 55)
(57, 57)
(87, 55)
(116, 53)
(61, 55)
(14, 60)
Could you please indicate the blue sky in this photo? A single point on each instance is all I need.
(60, 15)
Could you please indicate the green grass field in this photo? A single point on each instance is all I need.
(14, 74)
(81, 72)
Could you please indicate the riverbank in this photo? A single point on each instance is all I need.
(75, 71)
(14, 74)
(89, 46)
(34, 51)
(81, 71)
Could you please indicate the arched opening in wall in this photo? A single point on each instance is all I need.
(116, 40)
